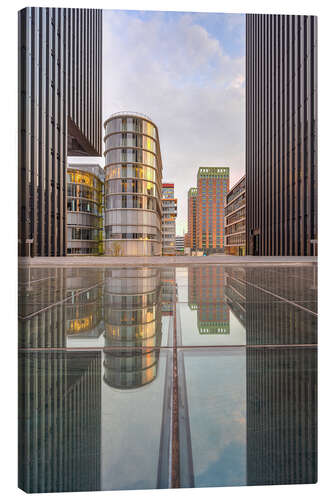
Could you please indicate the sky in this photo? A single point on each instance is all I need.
(187, 72)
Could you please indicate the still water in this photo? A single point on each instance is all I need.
(159, 377)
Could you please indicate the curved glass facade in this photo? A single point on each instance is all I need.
(133, 176)
(133, 327)
(85, 202)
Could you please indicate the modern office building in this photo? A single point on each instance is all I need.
(235, 219)
(281, 134)
(192, 217)
(133, 173)
(169, 214)
(212, 185)
(59, 115)
(85, 209)
(180, 244)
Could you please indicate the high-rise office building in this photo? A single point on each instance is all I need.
(85, 209)
(59, 115)
(192, 217)
(235, 219)
(133, 173)
(212, 185)
(281, 134)
(169, 214)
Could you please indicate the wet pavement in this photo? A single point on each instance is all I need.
(160, 377)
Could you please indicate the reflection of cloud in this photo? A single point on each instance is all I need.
(131, 426)
(216, 387)
(225, 469)
(172, 68)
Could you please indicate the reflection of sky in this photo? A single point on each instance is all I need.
(191, 335)
(131, 428)
(216, 389)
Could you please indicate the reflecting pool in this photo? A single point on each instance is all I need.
(152, 377)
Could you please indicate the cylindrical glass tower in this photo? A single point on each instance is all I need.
(133, 180)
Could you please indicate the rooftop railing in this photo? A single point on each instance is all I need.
(131, 113)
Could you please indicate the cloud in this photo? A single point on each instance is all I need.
(173, 69)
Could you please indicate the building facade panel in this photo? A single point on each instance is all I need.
(281, 134)
(59, 114)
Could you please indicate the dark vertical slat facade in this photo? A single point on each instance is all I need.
(281, 134)
(60, 115)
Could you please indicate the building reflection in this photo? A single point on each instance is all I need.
(169, 290)
(84, 311)
(282, 381)
(133, 327)
(206, 294)
(268, 318)
(59, 421)
(281, 415)
(57, 303)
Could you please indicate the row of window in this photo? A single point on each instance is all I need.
(236, 228)
(236, 239)
(129, 236)
(83, 192)
(130, 186)
(82, 251)
(238, 215)
(131, 140)
(238, 203)
(80, 233)
(130, 228)
(130, 155)
(78, 205)
(235, 192)
(133, 217)
(83, 178)
(130, 170)
(131, 124)
(131, 201)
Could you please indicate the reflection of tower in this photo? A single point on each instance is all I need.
(282, 381)
(281, 415)
(84, 312)
(55, 302)
(269, 321)
(132, 316)
(42, 319)
(235, 293)
(59, 421)
(169, 290)
(206, 293)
